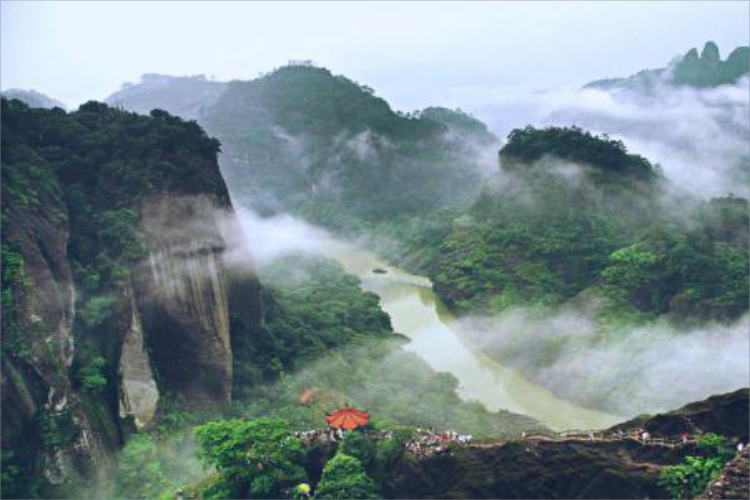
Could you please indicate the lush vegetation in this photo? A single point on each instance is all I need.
(301, 138)
(690, 478)
(72, 187)
(255, 459)
(322, 333)
(345, 477)
(312, 306)
(343, 347)
(610, 161)
(550, 235)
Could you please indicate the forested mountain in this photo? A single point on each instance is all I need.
(577, 211)
(303, 139)
(33, 98)
(692, 70)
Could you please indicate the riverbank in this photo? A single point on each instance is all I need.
(418, 313)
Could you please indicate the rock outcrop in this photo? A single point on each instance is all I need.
(576, 467)
(181, 292)
(116, 295)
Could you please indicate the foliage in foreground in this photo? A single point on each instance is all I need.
(691, 478)
(345, 477)
(256, 459)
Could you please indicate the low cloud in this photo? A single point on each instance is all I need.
(647, 369)
(260, 241)
(698, 136)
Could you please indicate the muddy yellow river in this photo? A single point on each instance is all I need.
(416, 312)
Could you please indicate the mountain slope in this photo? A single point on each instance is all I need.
(301, 138)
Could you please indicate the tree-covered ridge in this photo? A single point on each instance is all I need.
(608, 158)
(105, 161)
(460, 123)
(301, 138)
(312, 100)
(570, 214)
(312, 306)
(706, 70)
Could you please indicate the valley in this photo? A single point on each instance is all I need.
(284, 286)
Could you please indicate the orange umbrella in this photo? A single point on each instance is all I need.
(348, 418)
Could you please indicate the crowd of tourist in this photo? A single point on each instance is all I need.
(428, 442)
(424, 442)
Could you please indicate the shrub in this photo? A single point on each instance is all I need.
(690, 478)
(92, 376)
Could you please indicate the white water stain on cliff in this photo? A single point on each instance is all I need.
(190, 279)
(139, 394)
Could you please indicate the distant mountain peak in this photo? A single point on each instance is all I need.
(710, 53)
(691, 55)
(702, 70)
(33, 98)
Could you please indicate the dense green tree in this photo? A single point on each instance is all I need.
(257, 458)
(345, 477)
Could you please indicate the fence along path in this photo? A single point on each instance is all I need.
(593, 436)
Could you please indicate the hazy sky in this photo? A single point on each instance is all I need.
(411, 53)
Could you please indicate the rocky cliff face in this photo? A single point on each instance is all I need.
(40, 407)
(181, 293)
(536, 469)
(116, 296)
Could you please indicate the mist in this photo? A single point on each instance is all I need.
(697, 136)
(646, 369)
(265, 240)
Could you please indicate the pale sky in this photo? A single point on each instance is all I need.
(412, 53)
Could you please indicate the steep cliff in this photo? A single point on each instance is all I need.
(115, 288)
